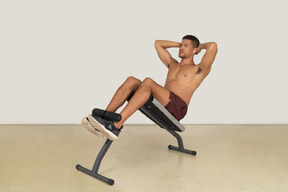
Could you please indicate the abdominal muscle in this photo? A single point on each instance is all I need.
(183, 81)
(182, 90)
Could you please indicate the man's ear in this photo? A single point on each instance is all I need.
(195, 51)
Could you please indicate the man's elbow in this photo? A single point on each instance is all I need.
(213, 47)
(156, 43)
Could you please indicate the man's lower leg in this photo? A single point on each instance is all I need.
(123, 92)
(139, 98)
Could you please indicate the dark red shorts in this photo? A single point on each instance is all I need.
(177, 107)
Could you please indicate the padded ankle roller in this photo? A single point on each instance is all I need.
(107, 115)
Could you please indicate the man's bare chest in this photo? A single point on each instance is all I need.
(182, 72)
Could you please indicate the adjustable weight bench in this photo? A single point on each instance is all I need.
(154, 111)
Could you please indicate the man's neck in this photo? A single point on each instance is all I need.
(187, 61)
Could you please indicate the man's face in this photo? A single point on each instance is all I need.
(185, 49)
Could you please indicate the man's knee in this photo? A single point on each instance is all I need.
(148, 82)
(133, 82)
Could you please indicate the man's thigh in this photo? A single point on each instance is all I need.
(160, 93)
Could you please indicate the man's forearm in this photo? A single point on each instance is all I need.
(167, 44)
(207, 45)
(209, 56)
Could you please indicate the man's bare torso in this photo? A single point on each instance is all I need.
(183, 80)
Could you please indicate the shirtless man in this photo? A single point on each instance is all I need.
(182, 80)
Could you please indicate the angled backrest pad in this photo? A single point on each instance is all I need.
(159, 114)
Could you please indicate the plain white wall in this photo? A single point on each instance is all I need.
(60, 59)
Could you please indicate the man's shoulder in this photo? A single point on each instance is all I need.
(173, 63)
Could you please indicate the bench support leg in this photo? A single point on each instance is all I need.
(180, 144)
(94, 172)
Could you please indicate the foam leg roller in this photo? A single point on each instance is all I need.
(107, 115)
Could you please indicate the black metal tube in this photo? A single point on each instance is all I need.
(180, 147)
(101, 155)
(95, 175)
(178, 137)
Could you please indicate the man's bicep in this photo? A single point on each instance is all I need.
(209, 57)
(164, 55)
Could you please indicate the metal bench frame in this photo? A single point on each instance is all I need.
(158, 114)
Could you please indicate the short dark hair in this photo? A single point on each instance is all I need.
(194, 40)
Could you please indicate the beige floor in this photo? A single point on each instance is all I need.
(230, 158)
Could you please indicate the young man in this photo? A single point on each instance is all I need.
(182, 80)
